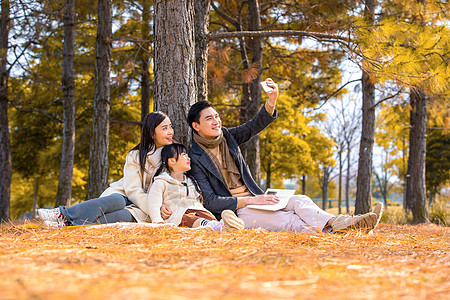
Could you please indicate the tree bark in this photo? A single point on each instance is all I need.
(326, 177)
(364, 179)
(98, 151)
(347, 180)
(63, 196)
(340, 180)
(145, 60)
(5, 146)
(254, 105)
(415, 178)
(201, 24)
(174, 62)
(35, 197)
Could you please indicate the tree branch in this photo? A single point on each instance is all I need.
(279, 33)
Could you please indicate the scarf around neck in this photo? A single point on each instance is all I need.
(228, 164)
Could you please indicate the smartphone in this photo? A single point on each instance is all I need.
(265, 87)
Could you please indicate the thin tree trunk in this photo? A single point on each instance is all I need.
(303, 185)
(145, 59)
(326, 176)
(340, 181)
(268, 174)
(364, 179)
(174, 61)
(201, 24)
(98, 152)
(35, 197)
(253, 106)
(347, 181)
(5, 146)
(63, 196)
(415, 182)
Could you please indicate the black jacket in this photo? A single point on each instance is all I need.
(216, 195)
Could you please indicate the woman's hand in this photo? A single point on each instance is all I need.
(262, 199)
(165, 212)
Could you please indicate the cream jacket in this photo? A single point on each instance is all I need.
(135, 184)
(178, 196)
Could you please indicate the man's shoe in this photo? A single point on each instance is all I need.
(231, 221)
(345, 222)
(52, 217)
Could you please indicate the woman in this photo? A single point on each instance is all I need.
(125, 200)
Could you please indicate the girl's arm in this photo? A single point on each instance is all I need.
(155, 200)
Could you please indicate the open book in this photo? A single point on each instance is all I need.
(283, 195)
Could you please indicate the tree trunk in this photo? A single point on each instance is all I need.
(347, 181)
(364, 179)
(268, 174)
(5, 146)
(303, 185)
(254, 105)
(415, 178)
(201, 24)
(145, 59)
(98, 151)
(326, 176)
(35, 197)
(340, 181)
(174, 62)
(63, 196)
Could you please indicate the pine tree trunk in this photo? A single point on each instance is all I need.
(415, 182)
(254, 105)
(63, 196)
(364, 179)
(145, 59)
(98, 152)
(174, 62)
(201, 24)
(5, 146)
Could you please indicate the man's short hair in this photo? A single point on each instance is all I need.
(195, 110)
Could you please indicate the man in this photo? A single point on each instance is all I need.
(226, 182)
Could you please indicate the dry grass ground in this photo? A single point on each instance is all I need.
(395, 262)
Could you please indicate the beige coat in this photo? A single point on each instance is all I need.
(173, 193)
(135, 184)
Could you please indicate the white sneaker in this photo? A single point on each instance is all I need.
(231, 221)
(52, 217)
(345, 222)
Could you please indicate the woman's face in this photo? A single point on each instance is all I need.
(163, 133)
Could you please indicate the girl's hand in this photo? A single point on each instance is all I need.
(165, 212)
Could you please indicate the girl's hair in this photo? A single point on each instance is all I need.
(174, 151)
(147, 143)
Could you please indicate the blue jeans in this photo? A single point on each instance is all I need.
(109, 209)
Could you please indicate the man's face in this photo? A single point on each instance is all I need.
(210, 125)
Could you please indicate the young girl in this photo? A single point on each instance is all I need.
(125, 200)
(181, 194)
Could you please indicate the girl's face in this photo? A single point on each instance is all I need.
(163, 133)
(182, 164)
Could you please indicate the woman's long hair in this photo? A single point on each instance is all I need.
(174, 151)
(147, 143)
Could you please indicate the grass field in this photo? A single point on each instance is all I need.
(107, 262)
